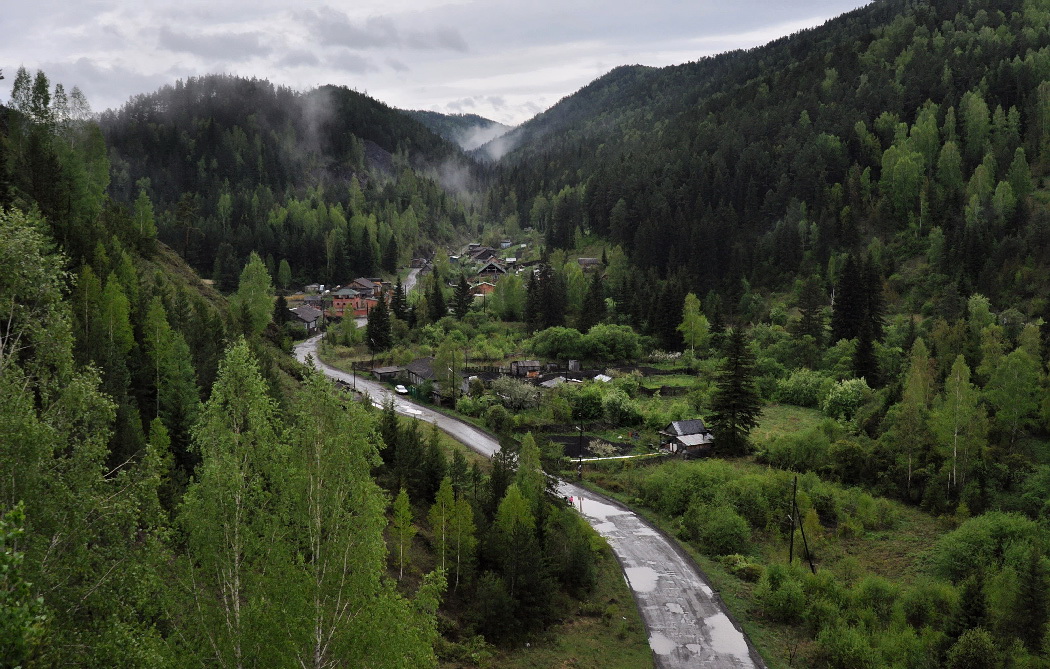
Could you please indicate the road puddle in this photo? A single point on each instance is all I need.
(725, 638)
(660, 644)
(642, 579)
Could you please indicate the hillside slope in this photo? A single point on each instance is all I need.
(468, 131)
(334, 182)
(884, 123)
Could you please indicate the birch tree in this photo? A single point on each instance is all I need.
(959, 423)
(231, 518)
(404, 530)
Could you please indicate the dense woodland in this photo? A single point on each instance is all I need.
(332, 182)
(854, 219)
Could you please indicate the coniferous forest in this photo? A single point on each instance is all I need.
(849, 226)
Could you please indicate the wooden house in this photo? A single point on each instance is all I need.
(688, 437)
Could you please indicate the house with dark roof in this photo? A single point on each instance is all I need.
(688, 437)
(308, 316)
(369, 287)
(420, 370)
(483, 254)
(491, 272)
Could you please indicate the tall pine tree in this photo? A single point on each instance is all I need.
(736, 403)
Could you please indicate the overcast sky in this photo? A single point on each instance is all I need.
(503, 59)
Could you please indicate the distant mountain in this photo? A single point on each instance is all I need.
(469, 131)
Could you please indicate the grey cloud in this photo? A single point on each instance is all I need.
(497, 101)
(334, 28)
(440, 39)
(298, 57)
(396, 65)
(233, 46)
(350, 62)
(461, 104)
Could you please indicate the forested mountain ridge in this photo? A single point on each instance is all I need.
(469, 131)
(330, 180)
(885, 123)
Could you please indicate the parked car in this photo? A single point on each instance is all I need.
(401, 390)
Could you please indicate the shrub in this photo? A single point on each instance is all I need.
(780, 595)
(845, 648)
(515, 394)
(845, 398)
(804, 388)
(620, 410)
(743, 568)
(800, 452)
(877, 594)
(717, 530)
(499, 419)
(979, 543)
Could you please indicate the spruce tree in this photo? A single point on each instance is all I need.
(398, 303)
(461, 298)
(811, 301)
(736, 403)
(377, 332)
(438, 308)
(850, 302)
(593, 309)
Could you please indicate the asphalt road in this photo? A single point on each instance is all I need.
(687, 623)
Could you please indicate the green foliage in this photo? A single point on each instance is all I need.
(253, 301)
(804, 388)
(22, 618)
(845, 398)
(735, 405)
(498, 419)
(717, 530)
(975, 649)
(980, 543)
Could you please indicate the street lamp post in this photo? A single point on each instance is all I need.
(579, 462)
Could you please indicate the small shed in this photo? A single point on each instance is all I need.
(388, 373)
(525, 368)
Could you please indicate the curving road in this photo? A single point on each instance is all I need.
(688, 625)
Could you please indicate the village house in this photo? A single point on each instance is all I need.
(589, 264)
(308, 316)
(420, 370)
(690, 438)
(483, 254)
(369, 287)
(482, 288)
(340, 300)
(491, 272)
